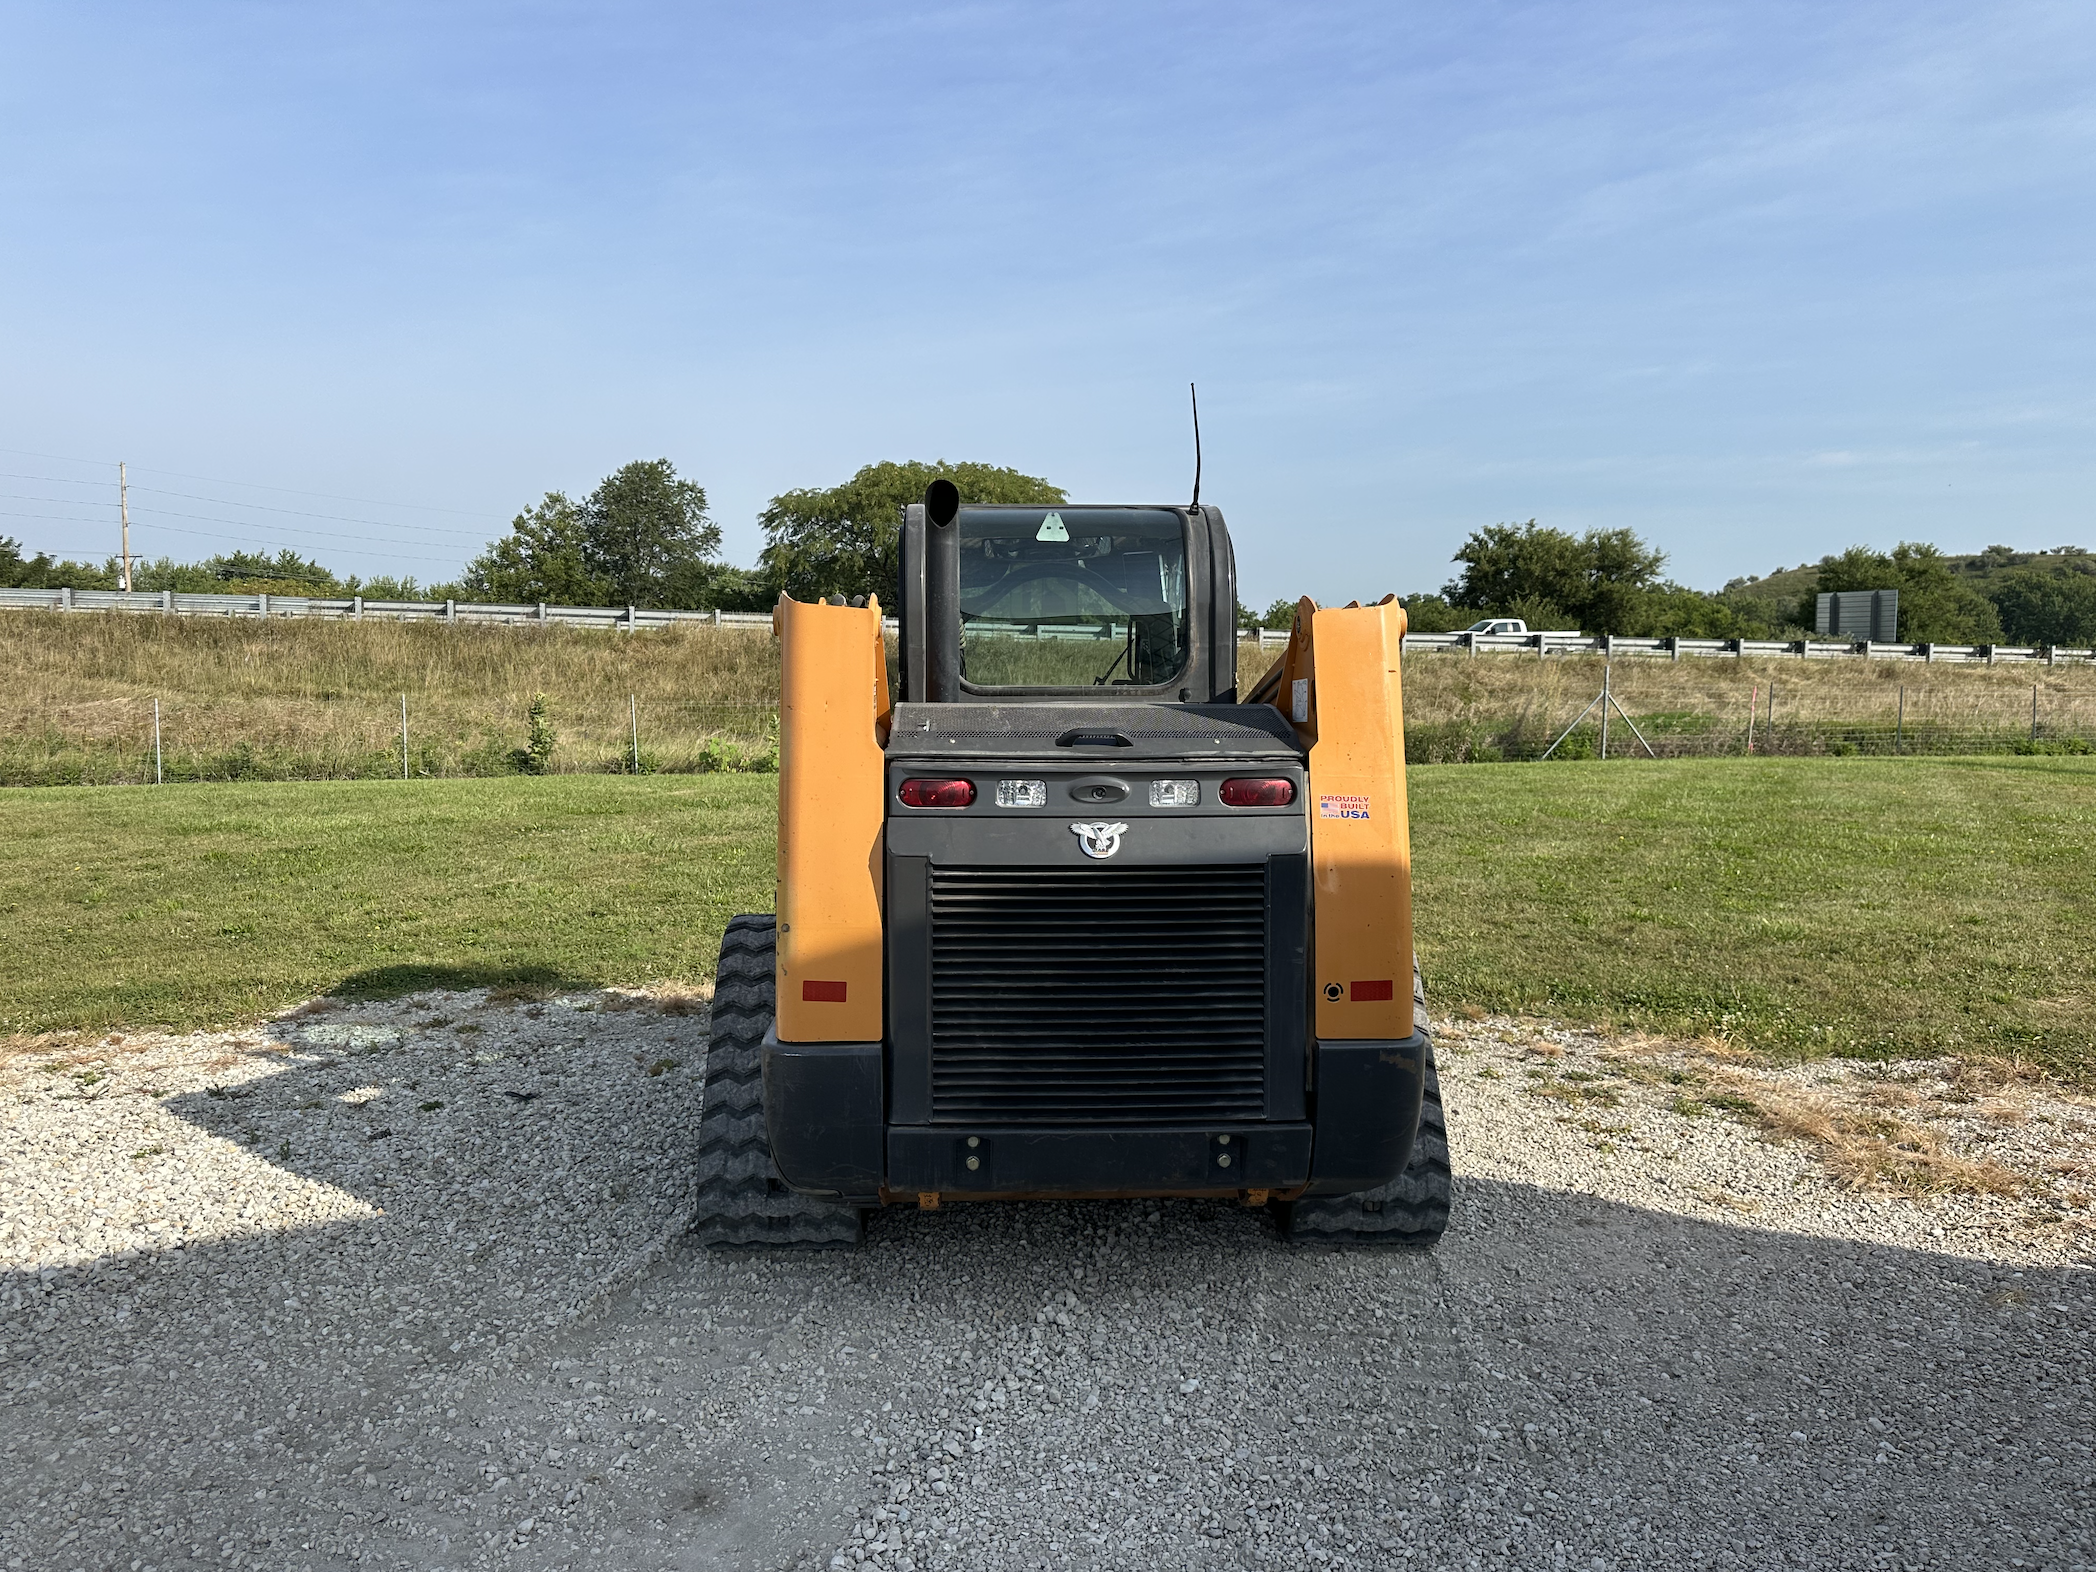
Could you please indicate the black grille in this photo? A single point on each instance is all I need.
(1131, 995)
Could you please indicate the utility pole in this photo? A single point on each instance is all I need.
(123, 505)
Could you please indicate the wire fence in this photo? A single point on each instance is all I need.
(132, 742)
(1763, 717)
(110, 742)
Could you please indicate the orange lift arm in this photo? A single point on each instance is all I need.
(833, 709)
(1338, 682)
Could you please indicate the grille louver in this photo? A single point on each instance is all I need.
(1133, 995)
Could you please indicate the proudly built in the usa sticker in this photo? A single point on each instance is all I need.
(1335, 807)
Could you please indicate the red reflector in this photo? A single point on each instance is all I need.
(1257, 792)
(1362, 992)
(833, 992)
(938, 794)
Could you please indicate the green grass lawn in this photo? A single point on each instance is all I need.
(210, 905)
(1796, 905)
(1864, 906)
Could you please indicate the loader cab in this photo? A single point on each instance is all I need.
(1066, 604)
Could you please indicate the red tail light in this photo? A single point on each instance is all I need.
(1259, 792)
(938, 794)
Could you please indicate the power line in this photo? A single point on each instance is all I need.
(338, 518)
(64, 502)
(202, 534)
(327, 496)
(205, 518)
(289, 529)
(256, 485)
(231, 502)
(223, 481)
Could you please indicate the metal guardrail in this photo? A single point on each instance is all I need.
(1542, 645)
(629, 619)
(356, 608)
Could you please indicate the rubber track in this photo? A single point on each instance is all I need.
(1411, 1209)
(743, 1203)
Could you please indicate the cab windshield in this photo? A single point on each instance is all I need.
(1072, 597)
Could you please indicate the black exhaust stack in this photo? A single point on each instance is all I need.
(942, 593)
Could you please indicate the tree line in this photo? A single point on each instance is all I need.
(1611, 581)
(643, 537)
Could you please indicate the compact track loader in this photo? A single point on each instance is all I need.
(1069, 917)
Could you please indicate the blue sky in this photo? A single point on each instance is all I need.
(1758, 281)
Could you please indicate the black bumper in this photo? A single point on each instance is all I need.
(825, 1113)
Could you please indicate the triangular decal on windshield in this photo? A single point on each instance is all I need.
(1052, 528)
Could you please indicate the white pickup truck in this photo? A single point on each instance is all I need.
(1515, 625)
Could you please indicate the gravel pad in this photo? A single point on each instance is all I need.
(405, 1286)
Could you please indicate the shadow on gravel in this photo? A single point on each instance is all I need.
(1078, 1384)
(395, 982)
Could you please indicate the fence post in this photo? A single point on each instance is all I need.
(356, 608)
(542, 614)
(262, 606)
(633, 711)
(629, 619)
(1988, 651)
(1899, 730)
(1928, 653)
(1674, 647)
(2034, 712)
(1608, 666)
(1753, 704)
(167, 600)
(716, 616)
(403, 736)
(65, 598)
(156, 740)
(451, 611)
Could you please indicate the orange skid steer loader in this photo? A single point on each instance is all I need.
(1069, 917)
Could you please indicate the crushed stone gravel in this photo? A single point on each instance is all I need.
(404, 1286)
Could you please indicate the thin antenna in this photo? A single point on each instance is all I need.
(1196, 398)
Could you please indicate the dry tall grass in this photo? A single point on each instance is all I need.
(315, 700)
(299, 699)
(1460, 707)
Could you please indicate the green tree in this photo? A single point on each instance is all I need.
(845, 540)
(1547, 576)
(18, 571)
(2039, 607)
(1281, 614)
(287, 572)
(1935, 606)
(1432, 614)
(641, 537)
(41, 572)
(543, 557)
(644, 526)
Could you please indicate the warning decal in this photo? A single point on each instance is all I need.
(1332, 806)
